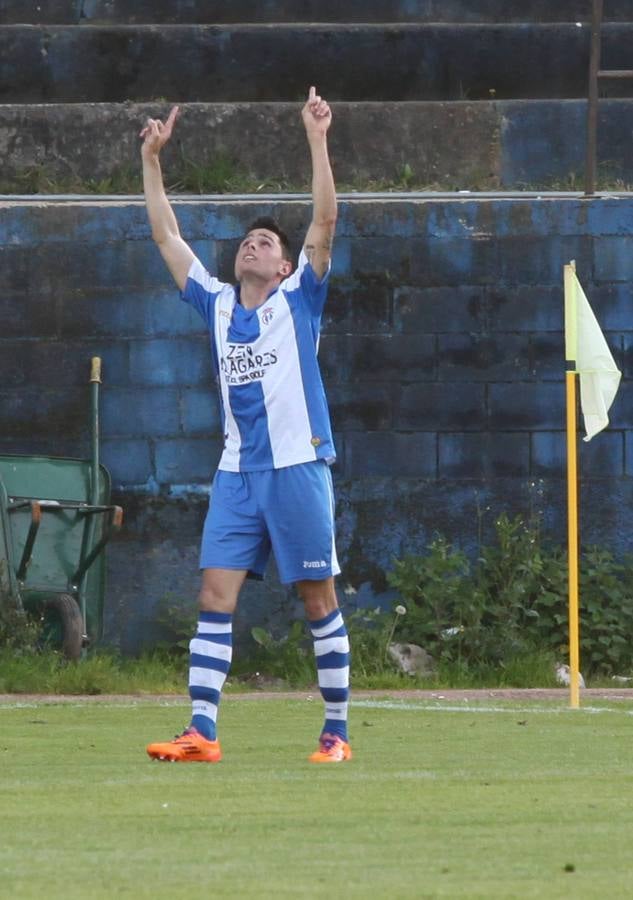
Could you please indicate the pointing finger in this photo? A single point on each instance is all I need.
(172, 117)
(312, 94)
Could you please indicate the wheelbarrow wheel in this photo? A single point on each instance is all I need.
(65, 608)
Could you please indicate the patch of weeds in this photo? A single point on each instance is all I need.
(48, 672)
(20, 631)
(40, 180)
(221, 175)
(370, 632)
(179, 622)
(522, 670)
(506, 620)
(607, 179)
(288, 657)
(127, 180)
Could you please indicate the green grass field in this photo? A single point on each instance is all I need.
(461, 800)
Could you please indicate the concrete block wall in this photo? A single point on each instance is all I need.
(261, 62)
(97, 12)
(445, 94)
(488, 144)
(442, 354)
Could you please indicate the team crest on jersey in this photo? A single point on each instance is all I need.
(315, 441)
(267, 315)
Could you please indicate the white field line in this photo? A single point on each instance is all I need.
(467, 707)
(77, 704)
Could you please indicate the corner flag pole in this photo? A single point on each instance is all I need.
(571, 344)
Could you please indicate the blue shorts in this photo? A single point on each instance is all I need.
(289, 510)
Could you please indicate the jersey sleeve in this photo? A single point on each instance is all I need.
(304, 280)
(201, 291)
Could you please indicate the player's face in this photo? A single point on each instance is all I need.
(260, 255)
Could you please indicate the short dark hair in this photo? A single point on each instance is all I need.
(270, 224)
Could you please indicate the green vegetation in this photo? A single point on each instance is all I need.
(516, 801)
(159, 673)
(500, 622)
(19, 632)
(223, 175)
(513, 603)
(40, 180)
(607, 179)
(289, 658)
(47, 672)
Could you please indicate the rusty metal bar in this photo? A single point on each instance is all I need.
(36, 518)
(592, 103)
(116, 519)
(615, 73)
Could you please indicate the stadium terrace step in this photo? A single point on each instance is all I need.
(122, 12)
(265, 62)
(505, 145)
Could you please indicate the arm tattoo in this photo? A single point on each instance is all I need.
(309, 251)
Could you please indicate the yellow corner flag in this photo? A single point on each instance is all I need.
(586, 346)
(588, 356)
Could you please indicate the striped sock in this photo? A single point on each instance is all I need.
(209, 662)
(331, 648)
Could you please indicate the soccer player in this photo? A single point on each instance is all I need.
(273, 487)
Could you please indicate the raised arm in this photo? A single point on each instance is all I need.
(176, 253)
(317, 117)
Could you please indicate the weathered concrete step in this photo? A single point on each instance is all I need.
(123, 12)
(265, 62)
(460, 145)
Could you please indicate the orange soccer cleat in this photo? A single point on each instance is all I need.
(190, 746)
(332, 749)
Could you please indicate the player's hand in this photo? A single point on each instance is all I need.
(316, 114)
(155, 134)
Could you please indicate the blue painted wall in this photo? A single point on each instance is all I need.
(442, 354)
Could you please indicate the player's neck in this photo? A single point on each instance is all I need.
(254, 292)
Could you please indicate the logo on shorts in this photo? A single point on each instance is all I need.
(314, 564)
(267, 315)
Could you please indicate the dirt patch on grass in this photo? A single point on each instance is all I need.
(523, 694)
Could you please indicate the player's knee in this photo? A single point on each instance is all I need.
(319, 598)
(210, 600)
(219, 591)
(318, 609)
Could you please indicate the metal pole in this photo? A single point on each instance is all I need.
(572, 541)
(592, 103)
(571, 340)
(89, 534)
(95, 381)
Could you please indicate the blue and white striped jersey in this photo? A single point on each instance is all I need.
(274, 408)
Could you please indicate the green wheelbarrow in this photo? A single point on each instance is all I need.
(55, 521)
